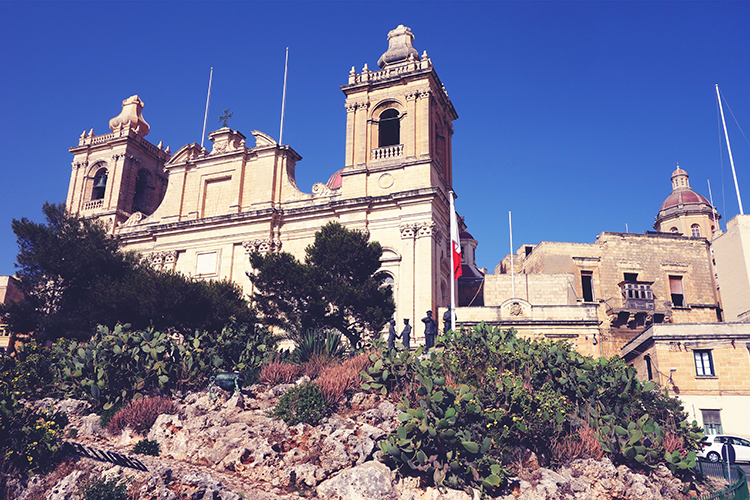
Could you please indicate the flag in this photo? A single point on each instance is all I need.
(455, 242)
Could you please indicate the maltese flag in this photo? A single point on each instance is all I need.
(455, 241)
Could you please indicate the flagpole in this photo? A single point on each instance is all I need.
(283, 97)
(208, 99)
(512, 267)
(452, 216)
(729, 149)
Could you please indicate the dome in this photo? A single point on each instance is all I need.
(399, 47)
(335, 181)
(683, 201)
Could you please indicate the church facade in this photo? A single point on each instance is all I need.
(202, 212)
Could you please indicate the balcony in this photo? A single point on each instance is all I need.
(388, 152)
(93, 205)
(637, 296)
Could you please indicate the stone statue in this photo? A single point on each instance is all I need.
(392, 336)
(405, 334)
(447, 319)
(430, 330)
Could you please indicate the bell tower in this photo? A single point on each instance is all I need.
(120, 174)
(399, 121)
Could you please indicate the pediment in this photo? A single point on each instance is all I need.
(262, 139)
(186, 153)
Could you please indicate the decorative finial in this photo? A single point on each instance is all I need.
(227, 116)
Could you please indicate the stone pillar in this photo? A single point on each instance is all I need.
(406, 305)
(424, 272)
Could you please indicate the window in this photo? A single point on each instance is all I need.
(695, 231)
(587, 285)
(676, 290)
(100, 184)
(673, 230)
(389, 128)
(704, 363)
(140, 199)
(631, 277)
(649, 372)
(711, 422)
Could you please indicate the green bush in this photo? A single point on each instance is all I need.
(304, 403)
(484, 392)
(30, 372)
(117, 366)
(147, 447)
(105, 489)
(31, 438)
(325, 343)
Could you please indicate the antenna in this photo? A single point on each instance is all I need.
(283, 98)
(208, 99)
(729, 148)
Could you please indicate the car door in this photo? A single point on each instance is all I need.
(741, 449)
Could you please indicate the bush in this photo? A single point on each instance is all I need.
(30, 439)
(105, 489)
(335, 381)
(277, 373)
(325, 343)
(29, 373)
(316, 364)
(304, 403)
(141, 414)
(147, 447)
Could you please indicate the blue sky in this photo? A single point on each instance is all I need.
(571, 114)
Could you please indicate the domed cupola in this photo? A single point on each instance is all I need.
(685, 211)
(399, 47)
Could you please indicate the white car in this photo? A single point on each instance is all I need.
(711, 447)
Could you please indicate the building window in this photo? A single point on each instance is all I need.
(695, 231)
(389, 128)
(100, 184)
(140, 199)
(676, 290)
(587, 285)
(712, 422)
(704, 363)
(673, 230)
(649, 372)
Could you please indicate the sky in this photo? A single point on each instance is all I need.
(572, 115)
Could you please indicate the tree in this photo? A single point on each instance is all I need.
(337, 287)
(75, 276)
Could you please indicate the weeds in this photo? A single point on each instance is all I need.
(141, 414)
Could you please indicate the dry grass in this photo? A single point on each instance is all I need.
(317, 363)
(279, 373)
(140, 415)
(583, 444)
(672, 443)
(335, 381)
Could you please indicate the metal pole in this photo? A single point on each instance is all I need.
(283, 98)
(453, 270)
(208, 99)
(729, 148)
(512, 267)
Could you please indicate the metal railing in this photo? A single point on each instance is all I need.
(733, 474)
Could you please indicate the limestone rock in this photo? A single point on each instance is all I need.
(369, 481)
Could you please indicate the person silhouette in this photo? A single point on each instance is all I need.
(430, 330)
(406, 333)
(392, 336)
(447, 319)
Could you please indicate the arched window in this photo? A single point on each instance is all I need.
(140, 199)
(100, 184)
(695, 230)
(389, 128)
(673, 230)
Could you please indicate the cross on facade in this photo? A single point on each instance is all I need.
(227, 116)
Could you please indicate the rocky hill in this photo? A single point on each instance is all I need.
(226, 447)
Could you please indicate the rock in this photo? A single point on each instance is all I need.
(65, 489)
(236, 401)
(91, 428)
(369, 481)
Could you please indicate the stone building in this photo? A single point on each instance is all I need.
(601, 295)
(732, 256)
(707, 366)
(201, 211)
(9, 291)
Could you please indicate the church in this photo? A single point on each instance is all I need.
(201, 212)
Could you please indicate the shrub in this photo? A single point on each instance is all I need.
(29, 373)
(304, 403)
(278, 373)
(104, 489)
(314, 366)
(147, 447)
(30, 438)
(141, 414)
(335, 381)
(326, 343)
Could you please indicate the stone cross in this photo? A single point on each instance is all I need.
(227, 116)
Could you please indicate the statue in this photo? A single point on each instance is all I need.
(405, 334)
(392, 336)
(447, 319)
(430, 330)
